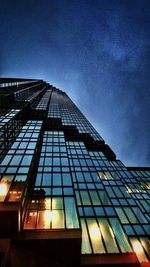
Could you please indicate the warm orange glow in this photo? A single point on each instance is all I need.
(35, 201)
(137, 247)
(30, 220)
(33, 214)
(14, 195)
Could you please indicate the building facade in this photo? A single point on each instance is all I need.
(65, 200)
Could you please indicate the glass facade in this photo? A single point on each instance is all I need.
(62, 184)
(10, 125)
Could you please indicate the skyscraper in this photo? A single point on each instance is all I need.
(65, 200)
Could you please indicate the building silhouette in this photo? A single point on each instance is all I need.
(65, 200)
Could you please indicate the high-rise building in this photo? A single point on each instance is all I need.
(65, 200)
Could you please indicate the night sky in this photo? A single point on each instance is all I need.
(96, 51)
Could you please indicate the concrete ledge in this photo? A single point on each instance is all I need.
(28, 235)
(103, 260)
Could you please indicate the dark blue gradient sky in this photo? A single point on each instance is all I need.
(97, 51)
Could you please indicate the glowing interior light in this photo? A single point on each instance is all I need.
(33, 214)
(47, 215)
(137, 247)
(3, 189)
(129, 190)
(53, 216)
(47, 218)
(47, 203)
(95, 231)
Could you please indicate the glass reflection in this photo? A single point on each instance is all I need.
(95, 235)
(137, 247)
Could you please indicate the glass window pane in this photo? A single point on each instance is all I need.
(46, 181)
(71, 214)
(121, 215)
(130, 215)
(44, 218)
(120, 235)
(108, 236)
(30, 220)
(94, 197)
(146, 244)
(57, 179)
(85, 197)
(38, 179)
(20, 178)
(139, 214)
(78, 197)
(56, 161)
(89, 211)
(66, 179)
(26, 160)
(129, 230)
(57, 203)
(138, 249)
(58, 219)
(86, 248)
(95, 236)
(79, 176)
(104, 198)
(99, 211)
(57, 191)
(16, 160)
(68, 191)
(6, 160)
(88, 177)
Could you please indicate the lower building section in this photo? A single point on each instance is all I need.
(57, 250)
(59, 199)
(64, 198)
(47, 248)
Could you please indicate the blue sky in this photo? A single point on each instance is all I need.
(98, 51)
